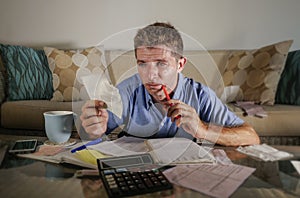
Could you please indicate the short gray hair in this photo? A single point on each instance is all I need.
(160, 34)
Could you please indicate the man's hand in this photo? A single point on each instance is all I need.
(184, 116)
(94, 118)
(228, 136)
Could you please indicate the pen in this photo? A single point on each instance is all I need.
(166, 93)
(96, 141)
(168, 98)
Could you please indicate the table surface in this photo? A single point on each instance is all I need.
(22, 177)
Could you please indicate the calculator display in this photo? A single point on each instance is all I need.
(126, 161)
(122, 162)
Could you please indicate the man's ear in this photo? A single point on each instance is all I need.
(181, 64)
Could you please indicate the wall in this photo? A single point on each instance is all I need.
(216, 24)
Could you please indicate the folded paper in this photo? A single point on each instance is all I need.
(264, 152)
(98, 87)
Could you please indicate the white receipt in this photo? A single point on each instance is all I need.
(264, 152)
(213, 180)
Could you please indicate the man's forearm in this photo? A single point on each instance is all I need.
(228, 136)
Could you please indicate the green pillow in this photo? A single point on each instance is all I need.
(288, 89)
(2, 90)
(28, 74)
(2, 82)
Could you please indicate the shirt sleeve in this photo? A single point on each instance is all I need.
(212, 110)
(125, 88)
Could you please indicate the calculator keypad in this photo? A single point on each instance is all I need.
(120, 182)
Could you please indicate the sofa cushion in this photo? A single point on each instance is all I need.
(29, 113)
(257, 72)
(28, 74)
(288, 90)
(282, 120)
(68, 66)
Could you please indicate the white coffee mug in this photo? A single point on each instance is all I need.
(58, 125)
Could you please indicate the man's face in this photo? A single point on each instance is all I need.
(157, 67)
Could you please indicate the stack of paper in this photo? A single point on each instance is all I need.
(162, 150)
(264, 152)
(179, 151)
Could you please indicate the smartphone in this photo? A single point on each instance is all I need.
(24, 146)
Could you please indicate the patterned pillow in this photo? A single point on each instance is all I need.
(28, 74)
(68, 66)
(2, 82)
(257, 72)
(288, 90)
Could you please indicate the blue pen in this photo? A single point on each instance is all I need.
(96, 141)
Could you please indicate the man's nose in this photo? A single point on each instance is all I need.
(152, 71)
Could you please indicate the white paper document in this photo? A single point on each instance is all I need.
(178, 151)
(296, 164)
(213, 180)
(264, 152)
(122, 146)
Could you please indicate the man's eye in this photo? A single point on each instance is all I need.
(142, 64)
(161, 64)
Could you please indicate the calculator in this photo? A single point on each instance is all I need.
(131, 175)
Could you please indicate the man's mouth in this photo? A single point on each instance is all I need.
(153, 86)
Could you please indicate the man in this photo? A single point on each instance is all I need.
(193, 111)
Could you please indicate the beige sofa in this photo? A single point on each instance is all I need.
(281, 126)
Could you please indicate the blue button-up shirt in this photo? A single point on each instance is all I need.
(144, 118)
